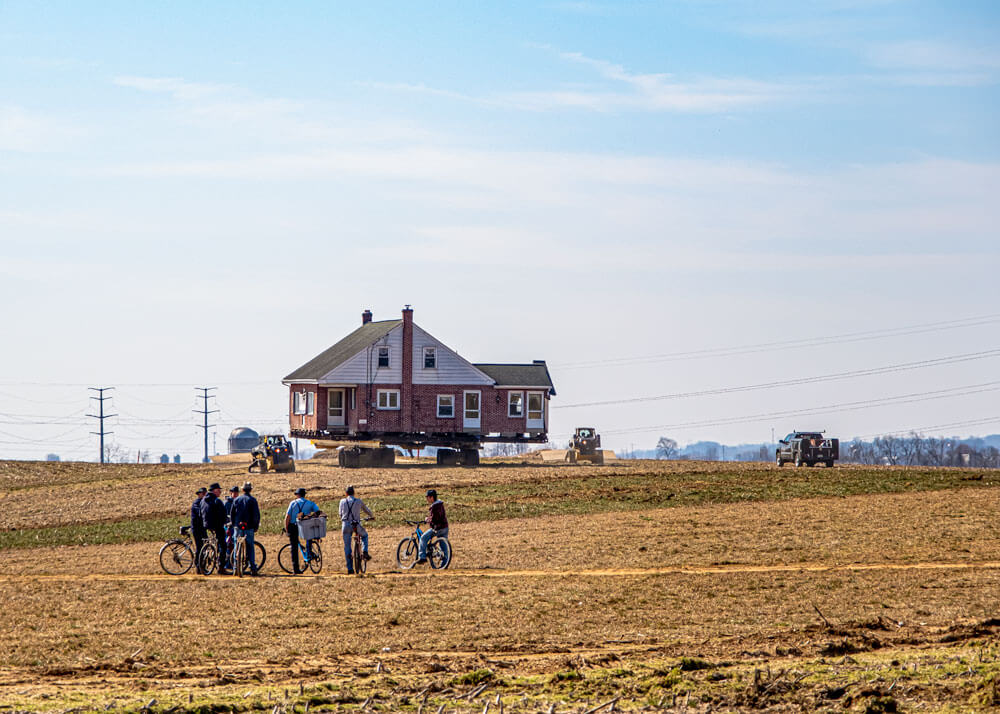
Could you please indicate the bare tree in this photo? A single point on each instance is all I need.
(666, 448)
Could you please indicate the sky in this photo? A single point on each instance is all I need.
(662, 199)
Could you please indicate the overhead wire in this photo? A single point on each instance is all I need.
(842, 338)
(901, 367)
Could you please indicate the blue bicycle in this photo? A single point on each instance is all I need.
(438, 550)
(310, 556)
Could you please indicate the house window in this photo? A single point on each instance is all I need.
(430, 358)
(536, 406)
(388, 399)
(310, 403)
(445, 406)
(515, 404)
(298, 402)
(383, 356)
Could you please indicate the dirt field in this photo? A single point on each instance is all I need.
(661, 586)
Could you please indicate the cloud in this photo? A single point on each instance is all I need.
(30, 132)
(625, 91)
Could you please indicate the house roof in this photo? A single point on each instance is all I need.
(535, 374)
(330, 359)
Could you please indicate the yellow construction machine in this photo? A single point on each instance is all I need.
(585, 446)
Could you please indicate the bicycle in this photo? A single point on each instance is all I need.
(241, 560)
(311, 556)
(357, 555)
(438, 550)
(177, 554)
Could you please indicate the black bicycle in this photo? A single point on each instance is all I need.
(177, 554)
(357, 550)
(438, 549)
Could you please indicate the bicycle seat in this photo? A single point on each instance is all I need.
(185, 530)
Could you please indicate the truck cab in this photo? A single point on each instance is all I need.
(807, 448)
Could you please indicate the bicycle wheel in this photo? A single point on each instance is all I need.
(406, 553)
(176, 557)
(359, 561)
(439, 553)
(239, 558)
(209, 558)
(261, 552)
(315, 557)
(285, 558)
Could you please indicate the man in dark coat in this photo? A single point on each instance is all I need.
(198, 527)
(213, 516)
(245, 515)
(234, 493)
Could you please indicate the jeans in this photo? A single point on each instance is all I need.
(251, 554)
(348, 533)
(425, 538)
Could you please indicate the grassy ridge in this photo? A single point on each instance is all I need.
(597, 493)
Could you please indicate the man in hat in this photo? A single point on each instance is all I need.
(213, 515)
(298, 508)
(198, 527)
(234, 492)
(350, 518)
(245, 516)
(437, 524)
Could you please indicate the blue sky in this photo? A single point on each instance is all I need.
(685, 175)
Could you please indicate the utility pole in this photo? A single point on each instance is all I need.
(101, 416)
(204, 411)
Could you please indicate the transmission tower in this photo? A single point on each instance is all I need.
(204, 411)
(101, 416)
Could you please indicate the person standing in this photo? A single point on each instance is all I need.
(298, 508)
(234, 493)
(245, 516)
(213, 515)
(198, 528)
(350, 518)
(437, 524)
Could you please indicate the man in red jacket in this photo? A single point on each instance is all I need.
(437, 524)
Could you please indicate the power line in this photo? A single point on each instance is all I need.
(902, 367)
(920, 429)
(101, 416)
(205, 412)
(846, 337)
(830, 408)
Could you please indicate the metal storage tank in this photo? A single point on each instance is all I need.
(242, 439)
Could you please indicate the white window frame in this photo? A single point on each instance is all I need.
(510, 403)
(445, 416)
(541, 411)
(298, 403)
(433, 352)
(378, 358)
(310, 403)
(391, 395)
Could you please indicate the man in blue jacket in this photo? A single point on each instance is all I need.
(213, 516)
(198, 527)
(298, 508)
(245, 516)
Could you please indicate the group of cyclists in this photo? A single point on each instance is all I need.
(239, 517)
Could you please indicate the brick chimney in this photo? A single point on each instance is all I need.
(406, 389)
(366, 317)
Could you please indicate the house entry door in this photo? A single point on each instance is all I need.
(335, 408)
(471, 418)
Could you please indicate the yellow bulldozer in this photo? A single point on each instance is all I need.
(272, 453)
(585, 446)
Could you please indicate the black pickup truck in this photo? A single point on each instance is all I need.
(807, 447)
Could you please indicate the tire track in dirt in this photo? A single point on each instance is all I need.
(499, 573)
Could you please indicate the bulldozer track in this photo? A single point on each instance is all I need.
(499, 573)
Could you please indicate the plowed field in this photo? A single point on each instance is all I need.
(655, 586)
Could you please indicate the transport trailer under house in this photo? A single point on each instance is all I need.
(391, 384)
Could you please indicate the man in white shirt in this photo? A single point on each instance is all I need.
(351, 509)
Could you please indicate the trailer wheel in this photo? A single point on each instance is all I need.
(829, 463)
(470, 457)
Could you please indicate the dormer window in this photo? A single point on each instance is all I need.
(430, 358)
(383, 356)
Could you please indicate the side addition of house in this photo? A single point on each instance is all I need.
(390, 383)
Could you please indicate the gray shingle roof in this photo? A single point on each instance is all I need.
(535, 374)
(330, 359)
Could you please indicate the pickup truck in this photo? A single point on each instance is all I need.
(807, 447)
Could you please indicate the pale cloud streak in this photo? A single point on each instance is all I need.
(25, 131)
